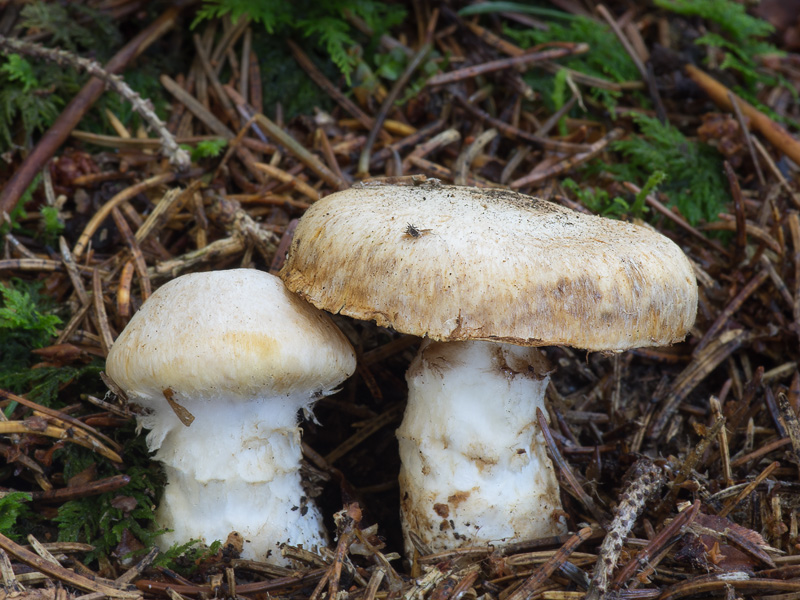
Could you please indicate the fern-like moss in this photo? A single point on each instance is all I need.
(27, 322)
(52, 225)
(322, 21)
(730, 16)
(25, 316)
(73, 26)
(693, 182)
(33, 93)
(608, 59)
(103, 519)
(206, 149)
(285, 84)
(18, 70)
(741, 37)
(23, 103)
(13, 509)
(597, 200)
(184, 559)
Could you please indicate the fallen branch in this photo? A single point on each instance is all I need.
(721, 96)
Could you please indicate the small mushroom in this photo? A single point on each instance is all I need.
(496, 275)
(223, 361)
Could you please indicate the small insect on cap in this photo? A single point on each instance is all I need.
(458, 263)
(237, 333)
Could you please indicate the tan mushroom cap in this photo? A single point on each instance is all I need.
(238, 334)
(457, 263)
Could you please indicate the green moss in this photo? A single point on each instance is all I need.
(206, 149)
(693, 182)
(607, 60)
(13, 508)
(25, 107)
(25, 317)
(322, 21)
(740, 37)
(52, 225)
(283, 82)
(101, 520)
(731, 17)
(28, 322)
(186, 558)
(73, 26)
(33, 92)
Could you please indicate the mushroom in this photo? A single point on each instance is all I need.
(487, 275)
(223, 361)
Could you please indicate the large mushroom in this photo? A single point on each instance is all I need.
(224, 361)
(487, 276)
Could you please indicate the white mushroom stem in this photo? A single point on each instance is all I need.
(474, 468)
(235, 468)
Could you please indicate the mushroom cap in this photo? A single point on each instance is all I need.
(458, 263)
(236, 334)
